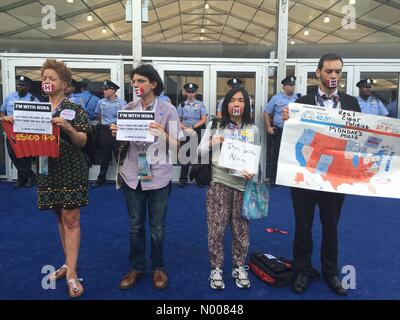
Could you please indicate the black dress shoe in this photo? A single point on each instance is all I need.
(336, 285)
(19, 184)
(182, 184)
(31, 182)
(98, 183)
(300, 283)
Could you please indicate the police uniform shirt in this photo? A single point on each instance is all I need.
(89, 103)
(8, 106)
(75, 99)
(372, 106)
(108, 109)
(392, 109)
(191, 112)
(276, 105)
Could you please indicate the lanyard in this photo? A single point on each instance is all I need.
(154, 107)
(142, 146)
(58, 108)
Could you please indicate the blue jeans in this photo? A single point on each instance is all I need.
(155, 201)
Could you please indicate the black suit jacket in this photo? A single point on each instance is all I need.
(347, 102)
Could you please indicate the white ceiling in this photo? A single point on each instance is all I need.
(226, 21)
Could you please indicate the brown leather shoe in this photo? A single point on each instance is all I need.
(160, 279)
(130, 279)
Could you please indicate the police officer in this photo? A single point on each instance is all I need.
(193, 116)
(274, 123)
(107, 109)
(90, 102)
(367, 101)
(70, 93)
(26, 177)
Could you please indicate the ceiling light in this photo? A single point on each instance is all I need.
(352, 2)
(70, 1)
(104, 30)
(89, 18)
(201, 38)
(327, 19)
(292, 42)
(202, 30)
(206, 6)
(306, 32)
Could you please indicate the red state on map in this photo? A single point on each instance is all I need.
(341, 170)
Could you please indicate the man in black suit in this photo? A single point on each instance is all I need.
(304, 201)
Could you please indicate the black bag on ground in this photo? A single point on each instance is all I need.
(276, 272)
(199, 172)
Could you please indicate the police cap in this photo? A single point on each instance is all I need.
(190, 87)
(109, 84)
(23, 80)
(289, 80)
(365, 83)
(234, 82)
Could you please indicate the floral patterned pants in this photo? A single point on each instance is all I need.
(224, 205)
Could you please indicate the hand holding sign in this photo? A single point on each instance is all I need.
(114, 129)
(241, 156)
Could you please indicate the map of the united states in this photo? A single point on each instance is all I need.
(336, 160)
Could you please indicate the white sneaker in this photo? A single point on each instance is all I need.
(241, 277)
(215, 278)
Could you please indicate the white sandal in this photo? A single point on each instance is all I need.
(77, 292)
(56, 274)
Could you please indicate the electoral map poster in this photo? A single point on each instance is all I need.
(340, 151)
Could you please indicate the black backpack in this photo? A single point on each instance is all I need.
(276, 272)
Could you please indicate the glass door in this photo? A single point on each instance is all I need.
(252, 79)
(385, 85)
(175, 76)
(92, 73)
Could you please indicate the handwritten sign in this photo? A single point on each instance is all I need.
(134, 125)
(237, 155)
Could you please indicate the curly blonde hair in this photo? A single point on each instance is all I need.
(59, 67)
